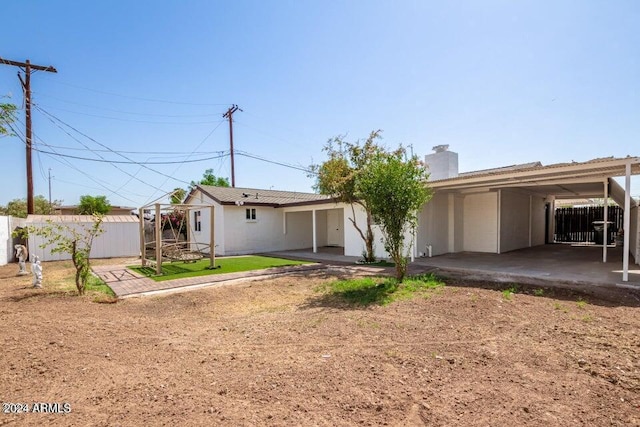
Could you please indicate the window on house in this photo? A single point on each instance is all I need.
(197, 225)
(250, 213)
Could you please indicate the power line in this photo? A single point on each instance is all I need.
(262, 159)
(163, 153)
(129, 120)
(102, 160)
(70, 165)
(194, 150)
(164, 101)
(115, 110)
(51, 117)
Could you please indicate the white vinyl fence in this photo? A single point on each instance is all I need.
(7, 225)
(121, 237)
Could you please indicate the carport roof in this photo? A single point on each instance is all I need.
(573, 179)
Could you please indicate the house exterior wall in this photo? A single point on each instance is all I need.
(481, 222)
(202, 237)
(6, 250)
(634, 237)
(243, 236)
(514, 220)
(433, 225)
(538, 219)
(299, 233)
(120, 239)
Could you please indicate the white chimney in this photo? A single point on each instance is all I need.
(442, 163)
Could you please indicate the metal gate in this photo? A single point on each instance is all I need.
(576, 224)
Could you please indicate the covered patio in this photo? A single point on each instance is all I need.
(553, 264)
(497, 212)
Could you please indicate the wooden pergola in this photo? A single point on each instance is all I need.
(187, 251)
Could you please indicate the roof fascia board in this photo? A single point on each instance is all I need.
(606, 168)
(529, 181)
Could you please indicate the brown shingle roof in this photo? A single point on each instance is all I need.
(255, 196)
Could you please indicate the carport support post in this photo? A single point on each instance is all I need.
(626, 222)
(143, 255)
(212, 238)
(605, 239)
(158, 240)
(313, 224)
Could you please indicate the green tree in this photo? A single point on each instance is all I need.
(18, 207)
(177, 196)
(395, 189)
(208, 178)
(92, 205)
(7, 116)
(339, 176)
(74, 239)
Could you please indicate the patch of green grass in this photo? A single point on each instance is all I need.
(508, 293)
(382, 291)
(581, 303)
(95, 284)
(538, 292)
(179, 270)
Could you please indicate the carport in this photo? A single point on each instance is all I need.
(506, 209)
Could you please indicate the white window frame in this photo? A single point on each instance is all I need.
(251, 215)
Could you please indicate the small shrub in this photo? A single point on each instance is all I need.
(538, 292)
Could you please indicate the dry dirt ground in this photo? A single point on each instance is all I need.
(281, 352)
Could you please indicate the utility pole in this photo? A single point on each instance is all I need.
(229, 115)
(28, 68)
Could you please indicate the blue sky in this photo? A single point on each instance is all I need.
(501, 82)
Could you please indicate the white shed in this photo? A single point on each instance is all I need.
(120, 238)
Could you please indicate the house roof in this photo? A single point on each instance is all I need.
(504, 169)
(38, 219)
(258, 197)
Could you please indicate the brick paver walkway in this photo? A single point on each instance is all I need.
(125, 282)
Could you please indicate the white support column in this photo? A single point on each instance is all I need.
(530, 217)
(626, 222)
(284, 223)
(313, 223)
(605, 239)
(499, 219)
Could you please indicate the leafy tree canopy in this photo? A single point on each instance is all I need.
(395, 189)
(93, 205)
(339, 176)
(7, 116)
(177, 196)
(18, 207)
(208, 178)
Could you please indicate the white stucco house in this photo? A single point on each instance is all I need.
(493, 211)
(249, 220)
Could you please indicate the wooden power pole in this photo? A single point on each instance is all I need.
(229, 115)
(28, 68)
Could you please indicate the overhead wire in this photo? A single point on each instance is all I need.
(70, 165)
(129, 120)
(194, 150)
(115, 110)
(164, 101)
(54, 119)
(102, 160)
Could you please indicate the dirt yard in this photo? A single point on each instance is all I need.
(281, 352)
